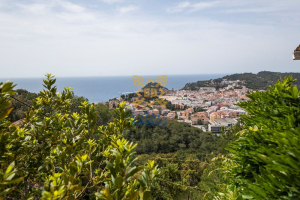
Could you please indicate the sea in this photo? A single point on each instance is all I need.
(102, 89)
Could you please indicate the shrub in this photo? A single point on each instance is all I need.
(57, 154)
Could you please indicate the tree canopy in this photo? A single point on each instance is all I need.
(59, 154)
(265, 160)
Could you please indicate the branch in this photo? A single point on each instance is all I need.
(83, 190)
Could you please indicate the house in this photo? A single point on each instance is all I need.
(214, 128)
(180, 106)
(141, 107)
(244, 98)
(296, 54)
(214, 115)
(138, 112)
(188, 121)
(171, 115)
(225, 122)
(155, 112)
(113, 104)
(190, 110)
(199, 116)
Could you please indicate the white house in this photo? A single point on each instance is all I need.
(296, 54)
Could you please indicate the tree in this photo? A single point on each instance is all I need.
(76, 102)
(178, 179)
(265, 159)
(200, 110)
(59, 154)
(200, 122)
(7, 170)
(105, 115)
(20, 108)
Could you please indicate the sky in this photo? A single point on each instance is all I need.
(147, 37)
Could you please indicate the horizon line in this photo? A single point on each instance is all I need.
(122, 75)
(145, 75)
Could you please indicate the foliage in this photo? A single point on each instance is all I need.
(211, 181)
(200, 110)
(174, 136)
(7, 176)
(60, 154)
(178, 178)
(147, 97)
(105, 115)
(265, 159)
(19, 108)
(184, 154)
(260, 81)
(129, 96)
(23, 100)
(76, 102)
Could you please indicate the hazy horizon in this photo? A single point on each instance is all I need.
(99, 89)
(222, 74)
(125, 75)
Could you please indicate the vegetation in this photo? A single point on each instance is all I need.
(265, 160)
(171, 106)
(57, 154)
(183, 154)
(20, 108)
(154, 85)
(260, 81)
(200, 110)
(172, 137)
(149, 95)
(61, 152)
(23, 99)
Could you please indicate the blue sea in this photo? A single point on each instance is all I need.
(101, 89)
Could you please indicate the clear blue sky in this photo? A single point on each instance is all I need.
(126, 37)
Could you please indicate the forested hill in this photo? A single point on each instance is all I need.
(259, 81)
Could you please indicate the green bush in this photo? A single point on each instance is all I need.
(58, 154)
(265, 159)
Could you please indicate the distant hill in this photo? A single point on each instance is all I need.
(153, 85)
(260, 81)
(150, 86)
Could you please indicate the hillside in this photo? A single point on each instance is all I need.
(154, 85)
(259, 81)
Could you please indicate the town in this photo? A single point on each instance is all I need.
(207, 108)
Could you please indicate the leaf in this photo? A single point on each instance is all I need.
(247, 196)
(16, 180)
(132, 171)
(147, 195)
(5, 105)
(5, 192)
(100, 196)
(111, 168)
(295, 92)
(6, 87)
(107, 194)
(119, 181)
(258, 190)
(5, 113)
(10, 168)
